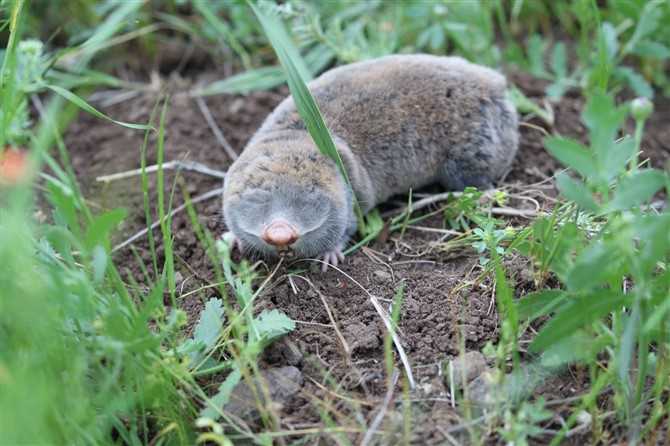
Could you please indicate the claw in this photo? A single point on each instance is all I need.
(332, 258)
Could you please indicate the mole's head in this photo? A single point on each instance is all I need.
(286, 200)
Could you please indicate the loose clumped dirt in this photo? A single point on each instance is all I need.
(447, 305)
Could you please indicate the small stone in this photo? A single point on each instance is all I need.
(382, 275)
(282, 383)
(362, 336)
(178, 278)
(480, 390)
(584, 418)
(465, 368)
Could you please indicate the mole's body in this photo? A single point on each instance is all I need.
(398, 122)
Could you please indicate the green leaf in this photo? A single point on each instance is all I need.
(101, 226)
(209, 325)
(610, 40)
(539, 303)
(593, 266)
(627, 346)
(652, 49)
(222, 397)
(577, 314)
(564, 352)
(99, 262)
(79, 102)
(576, 191)
(273, 324)
(635, 80)
(572, 154)
(647, 24)
(636, 189)
(525, 105)
(652, 233)
(603, 119)
(621, 152)
(536, 50)
(559, 63)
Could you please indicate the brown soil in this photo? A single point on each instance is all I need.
(447, 304)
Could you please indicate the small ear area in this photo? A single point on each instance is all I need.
(279, 233)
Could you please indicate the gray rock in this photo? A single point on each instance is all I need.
(281, 382)
(465, 368)
(382, 275)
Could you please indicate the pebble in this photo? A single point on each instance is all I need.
(382, 274)
(282, 383)
(465, 368)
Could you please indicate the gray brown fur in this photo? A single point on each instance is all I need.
(399, 122)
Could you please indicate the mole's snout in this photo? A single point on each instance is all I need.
(279, 233)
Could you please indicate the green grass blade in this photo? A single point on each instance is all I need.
(168, 269)
(105, 30)
(79, 102)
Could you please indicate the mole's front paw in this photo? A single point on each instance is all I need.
(332, 258)
(232, 240)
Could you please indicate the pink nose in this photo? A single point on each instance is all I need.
(279, 233)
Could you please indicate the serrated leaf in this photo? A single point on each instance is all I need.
(209, 325)
(576, 191)
(539, 303)
(572, 154)
(578, 313)
(636, 189)
(273, 324)
(222, 396)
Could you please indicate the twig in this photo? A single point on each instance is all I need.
(206, 196)
(215, 128)
(528, 213)
(382, 411)
(176, 164)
